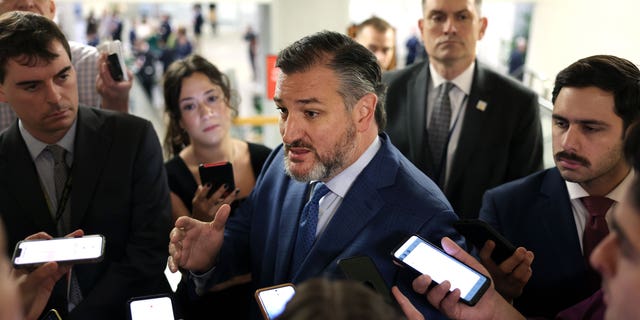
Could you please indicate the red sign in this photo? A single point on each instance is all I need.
(272, 75)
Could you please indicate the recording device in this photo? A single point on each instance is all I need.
(217, 174)
(477, 232)
(115, 59)
(363, 269)
(154, 307)
(32, 253)
(426, 258)
(272, 300)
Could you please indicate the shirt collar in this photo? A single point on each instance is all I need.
(341, 183)
(617, 194)
(462, 81)
(36, 146)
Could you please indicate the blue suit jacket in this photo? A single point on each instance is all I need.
(119, 190)
(390, 200)
(535, 212)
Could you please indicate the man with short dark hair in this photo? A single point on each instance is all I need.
(379, 37)
(554, 212)
(66, 167)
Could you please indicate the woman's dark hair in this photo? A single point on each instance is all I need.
(176, 138)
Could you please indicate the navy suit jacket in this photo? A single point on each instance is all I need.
(501, 143)
(119, 190)
(390, 200)
(535, 212)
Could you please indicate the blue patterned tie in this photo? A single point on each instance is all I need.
(307, 228)
(439, 131)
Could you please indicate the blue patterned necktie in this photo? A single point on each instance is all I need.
(439, 131)
(307, 228)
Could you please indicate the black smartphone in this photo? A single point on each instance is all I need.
(272, 300)
(477, 232)
(217, 174)
(426, 258)
(51, 315)
(32, 253)
(363, 269)
(115, 69)
(156, 307)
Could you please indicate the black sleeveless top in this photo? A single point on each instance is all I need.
(182, 183)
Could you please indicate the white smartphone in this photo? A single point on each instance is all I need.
(426, 258)
(272, 300)
(32, 253)
(155, 307)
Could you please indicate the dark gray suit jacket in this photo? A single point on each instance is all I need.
(535, 212)
(119, 189)
(497, 145)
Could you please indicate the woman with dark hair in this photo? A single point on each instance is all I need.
(200, 108)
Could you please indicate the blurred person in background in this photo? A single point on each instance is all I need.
(379, 37)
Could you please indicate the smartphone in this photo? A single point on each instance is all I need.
(363, 269)
(154, 307)
(217, 174)
(32, 253)
(426, 258)
(51, 315)
(115, 59)
(477, 232)
(272, 300)
(115, 69)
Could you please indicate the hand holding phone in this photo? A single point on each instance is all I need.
(32, 253)
(272, 300)
(477, 232)
(217, 174)
(426, 258)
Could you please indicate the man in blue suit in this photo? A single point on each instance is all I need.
(595, 100)
(330, 98)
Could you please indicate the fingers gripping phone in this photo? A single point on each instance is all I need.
(272, 300)
(217, 174)
(477, 232)
(32, 253)
(154, 307)
(363, 269)
(426, 258)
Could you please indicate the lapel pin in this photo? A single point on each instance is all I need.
(481, 105)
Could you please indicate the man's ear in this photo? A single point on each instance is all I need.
(52, 10)
(364, 111)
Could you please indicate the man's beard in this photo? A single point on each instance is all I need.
(328, 166)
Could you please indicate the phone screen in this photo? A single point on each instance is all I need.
(151, 308)
(273, 300)
(428, 259)
(34, 252)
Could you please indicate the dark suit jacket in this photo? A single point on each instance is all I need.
(497, 145)
(119, 190)
(535, 212)
(390, 200)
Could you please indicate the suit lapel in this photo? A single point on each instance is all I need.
(416, 118)
(288, 226)
(22, 181)
(471, 129)
(90, 156)
(557, 215)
